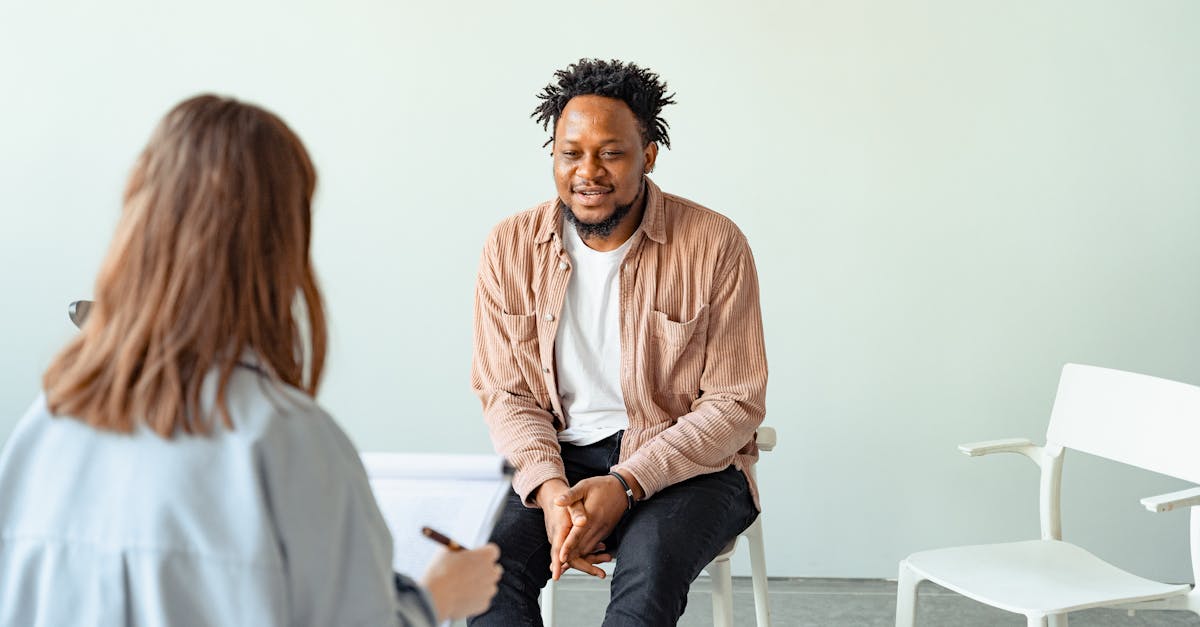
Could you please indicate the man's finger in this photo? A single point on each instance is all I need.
(598, 558)
(579, 538)
(569, 546)
(578, 514)
(558, 536)
(572, 495)
(558, 568)
(583, 565)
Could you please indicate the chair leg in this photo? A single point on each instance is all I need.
(758, 571)
(548, 603)
(722, 592)
(906, 596)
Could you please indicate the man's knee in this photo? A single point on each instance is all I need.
(680, 531)
(649, 591)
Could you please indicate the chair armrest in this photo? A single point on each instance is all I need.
(1172, 500)
(1011, 445)
(765, 438)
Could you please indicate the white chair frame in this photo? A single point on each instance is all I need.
(1135, 419)
(719, 570)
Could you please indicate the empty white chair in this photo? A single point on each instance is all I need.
(1131, 418)
(719, 569)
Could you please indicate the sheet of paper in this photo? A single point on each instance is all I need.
(458, 495)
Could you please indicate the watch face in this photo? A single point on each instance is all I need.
(78, 311)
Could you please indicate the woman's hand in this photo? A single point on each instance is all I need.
(462, 583)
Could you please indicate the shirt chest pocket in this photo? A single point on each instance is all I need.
(679, 350)
(522, 338)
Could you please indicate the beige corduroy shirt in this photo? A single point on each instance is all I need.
(693, 363)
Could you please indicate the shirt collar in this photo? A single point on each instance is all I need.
(251, 360)
(654, 217)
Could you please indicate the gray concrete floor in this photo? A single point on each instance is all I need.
(826, 602)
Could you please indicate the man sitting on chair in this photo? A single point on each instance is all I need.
(619, 358)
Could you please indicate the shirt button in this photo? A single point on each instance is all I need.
(562, 265)
(546, 370)
(549, 317)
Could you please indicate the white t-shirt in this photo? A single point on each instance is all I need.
(587, 349)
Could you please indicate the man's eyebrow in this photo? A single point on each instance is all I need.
(606, 140)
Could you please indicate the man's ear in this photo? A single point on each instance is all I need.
(650, 152)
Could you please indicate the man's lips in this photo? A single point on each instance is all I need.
(591, 196)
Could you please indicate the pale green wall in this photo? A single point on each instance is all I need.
(947, 201)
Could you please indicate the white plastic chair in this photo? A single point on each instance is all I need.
(718, 569)
(1138, 420)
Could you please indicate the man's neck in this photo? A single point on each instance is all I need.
(625, 230)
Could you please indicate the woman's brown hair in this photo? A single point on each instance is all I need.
(208, 261)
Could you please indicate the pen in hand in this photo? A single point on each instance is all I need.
(441, 539)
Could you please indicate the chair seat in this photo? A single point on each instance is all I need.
(1039, 576)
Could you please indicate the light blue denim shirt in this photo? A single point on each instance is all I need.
(270, 523)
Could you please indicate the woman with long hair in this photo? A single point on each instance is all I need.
(176, 468)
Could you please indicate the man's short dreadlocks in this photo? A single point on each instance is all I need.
(639, 88)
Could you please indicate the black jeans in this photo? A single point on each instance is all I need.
(659, 547)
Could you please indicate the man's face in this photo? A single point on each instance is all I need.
(599, 157)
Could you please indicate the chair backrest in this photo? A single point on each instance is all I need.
(1131, 418)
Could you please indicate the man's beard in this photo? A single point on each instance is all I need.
(601, 229)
